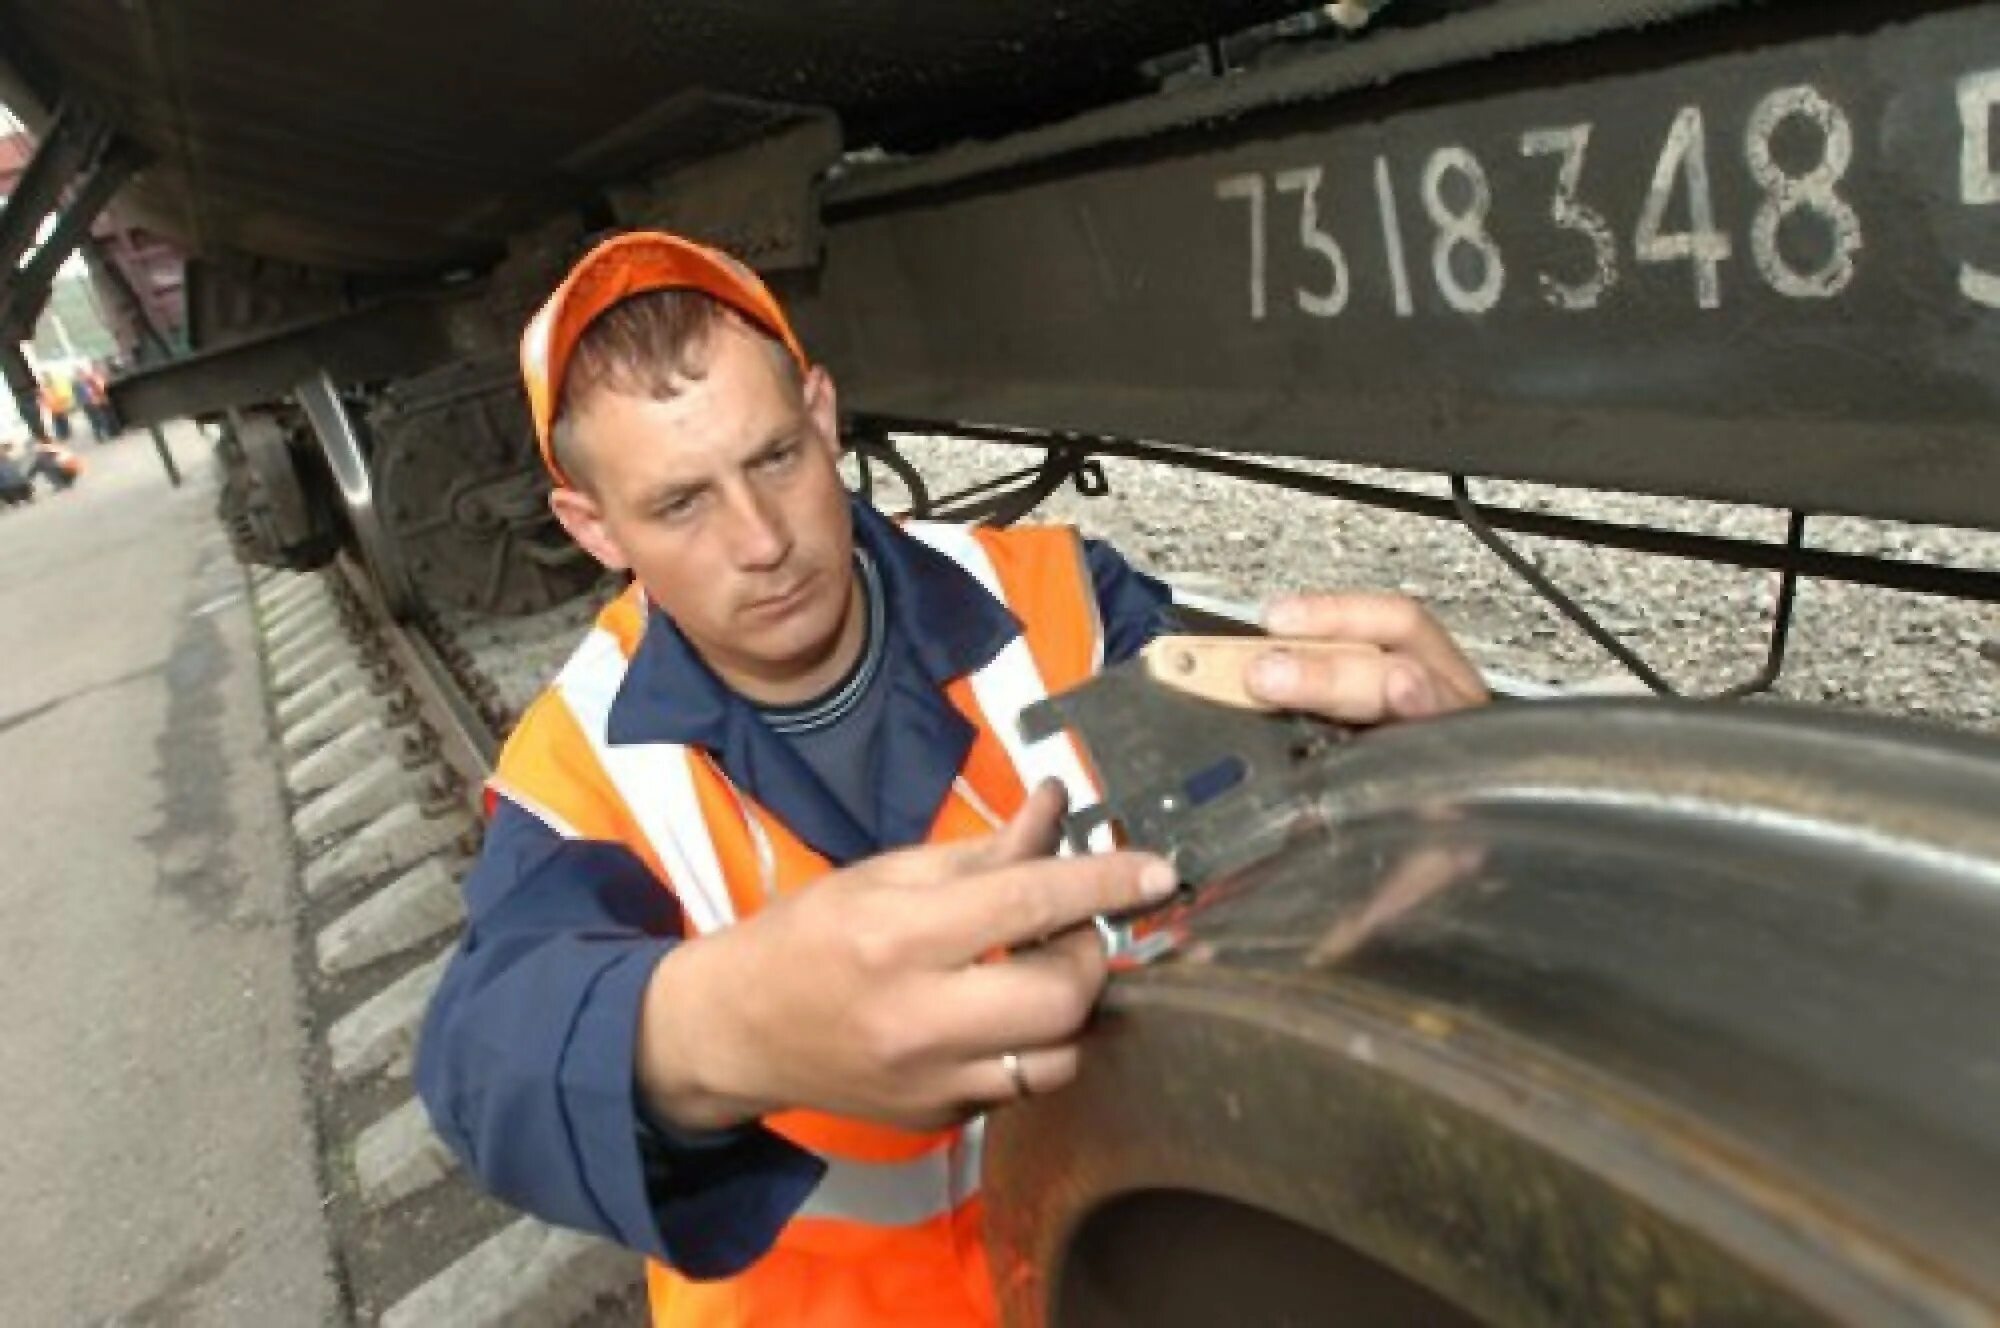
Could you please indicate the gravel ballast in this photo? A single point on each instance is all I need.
(1704, 627)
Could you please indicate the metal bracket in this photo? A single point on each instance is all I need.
(1091, 481)
(1518, 563)
(1006, 498)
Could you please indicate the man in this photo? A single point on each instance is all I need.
(90, 392)
(57, 400)
(652, 1028)
(16, 488)
(57, 464)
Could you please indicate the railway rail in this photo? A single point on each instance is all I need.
(386, 731)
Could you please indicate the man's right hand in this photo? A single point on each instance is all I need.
(875, 993)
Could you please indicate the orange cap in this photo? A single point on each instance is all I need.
(626, 265)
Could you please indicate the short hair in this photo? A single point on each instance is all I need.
(648, 345)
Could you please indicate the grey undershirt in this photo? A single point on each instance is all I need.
(837, 733)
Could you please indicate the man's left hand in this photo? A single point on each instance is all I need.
(1413, 670)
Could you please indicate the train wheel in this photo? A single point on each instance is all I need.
(1558, 1014)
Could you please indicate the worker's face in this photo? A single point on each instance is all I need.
(725, 501)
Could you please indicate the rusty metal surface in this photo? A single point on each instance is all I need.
(382, 341)
(1477, 32)
(464, 497)
(1747, 256)
(759, 200)
(1578, 1013)
(363, 134)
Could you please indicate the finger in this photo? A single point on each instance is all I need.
(1026, 901)
(1350, 688)
(1031, 998)
(1378, 618)
(1034, 831)
(1042, 1070)
(1393, 622)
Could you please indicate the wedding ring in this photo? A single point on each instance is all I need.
(1011, 1063)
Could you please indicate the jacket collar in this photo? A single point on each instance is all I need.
(942, 624)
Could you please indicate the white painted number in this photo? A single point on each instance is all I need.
(1813, 193)
(1805, 235)
(1685, 156)
(1569, 214)
(1250, 187)
(1978, 183)
(1463, 230)
(1392, 239)
(1305, 183)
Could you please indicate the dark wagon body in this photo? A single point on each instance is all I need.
(364, 134)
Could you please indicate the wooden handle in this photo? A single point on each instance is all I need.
(1212, 667)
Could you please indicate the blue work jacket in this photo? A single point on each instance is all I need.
(526, 1061)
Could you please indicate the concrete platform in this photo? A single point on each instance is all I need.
(157, 1161)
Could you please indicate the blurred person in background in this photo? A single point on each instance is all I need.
(57, 464)
(58, 399)
(15, 487)
(89, 388)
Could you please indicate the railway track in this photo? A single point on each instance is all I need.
(386, 731)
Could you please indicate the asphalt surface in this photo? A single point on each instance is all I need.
(156, 1162)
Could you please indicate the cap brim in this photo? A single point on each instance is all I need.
(619, 268)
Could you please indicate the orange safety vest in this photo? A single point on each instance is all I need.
(892, 1233)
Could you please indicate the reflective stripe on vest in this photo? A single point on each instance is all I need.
(1011, 683)
(654, 781)
(901, 1194)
